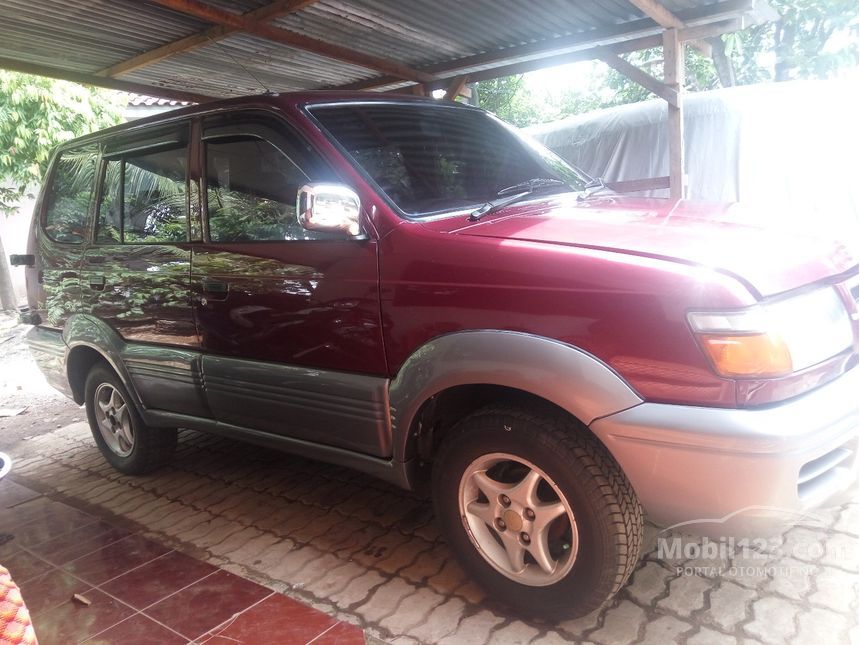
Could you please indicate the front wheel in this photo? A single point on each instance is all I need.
(126, 442)
(537, 510)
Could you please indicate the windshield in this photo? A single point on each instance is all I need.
(433, 158)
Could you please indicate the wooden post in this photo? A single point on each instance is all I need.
(673, 76)
(455, 87)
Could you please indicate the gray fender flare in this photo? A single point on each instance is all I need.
(83, 330)
(569, 377)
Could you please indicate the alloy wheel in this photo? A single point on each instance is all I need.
(114, 420)
(518, 519)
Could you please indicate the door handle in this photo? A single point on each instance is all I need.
(96, 259)
(97, 282)
(28, 260)
(213, 290)
(215, 287)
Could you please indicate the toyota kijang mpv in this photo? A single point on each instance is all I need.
(410, 288)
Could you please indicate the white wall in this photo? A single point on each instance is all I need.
(14, 230)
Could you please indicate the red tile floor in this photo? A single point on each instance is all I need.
(139, 591)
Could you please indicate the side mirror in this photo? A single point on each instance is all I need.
(329, 207)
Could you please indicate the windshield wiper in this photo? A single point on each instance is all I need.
(516, 193)
(594, 186)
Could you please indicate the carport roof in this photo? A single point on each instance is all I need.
(194, 50)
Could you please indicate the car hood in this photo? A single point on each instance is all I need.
(723, 237)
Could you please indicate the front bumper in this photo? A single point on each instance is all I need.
(743, 473)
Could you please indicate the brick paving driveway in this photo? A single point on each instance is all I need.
(371, 554)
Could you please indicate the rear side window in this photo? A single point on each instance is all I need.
(70, 194)
(144, 196)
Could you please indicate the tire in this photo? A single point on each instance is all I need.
(587, 559)
(129, 445)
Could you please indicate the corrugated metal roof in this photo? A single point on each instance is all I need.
(423, 33)
(278, 67)
(88, 36)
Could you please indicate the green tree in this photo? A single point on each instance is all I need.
(509, 99)
(36, 114)
(506, 98)
(810, 39)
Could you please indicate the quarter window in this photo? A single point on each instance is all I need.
(68, 198)
(145, 198)
(155, 197)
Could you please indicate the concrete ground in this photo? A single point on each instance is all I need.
(370, 554)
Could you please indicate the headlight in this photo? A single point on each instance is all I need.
(777, 338)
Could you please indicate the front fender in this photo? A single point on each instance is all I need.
(569, 377)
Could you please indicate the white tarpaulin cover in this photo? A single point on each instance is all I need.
(787, 152)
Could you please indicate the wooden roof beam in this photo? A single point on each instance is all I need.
(513, 69)
(591, 53)
(665, 18)
(271, 11)
(639, 76)
(643, 78)
(239, 22)
(719, 17)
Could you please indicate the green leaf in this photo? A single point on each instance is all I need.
(36, 114)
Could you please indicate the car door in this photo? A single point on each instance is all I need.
(58, 236)
(289, 319)
(136, 274)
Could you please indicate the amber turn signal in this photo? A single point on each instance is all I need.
(748, 355)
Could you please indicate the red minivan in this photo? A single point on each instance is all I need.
(411, 288)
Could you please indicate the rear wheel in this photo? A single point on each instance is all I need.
(126, 442)
(537, 510)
